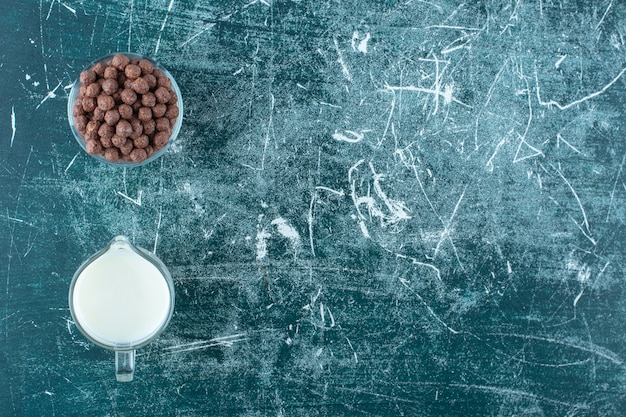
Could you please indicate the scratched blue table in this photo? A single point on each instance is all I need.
(401, 208)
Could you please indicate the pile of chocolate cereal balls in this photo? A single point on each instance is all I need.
(125, 109)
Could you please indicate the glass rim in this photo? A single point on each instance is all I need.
(175, 129)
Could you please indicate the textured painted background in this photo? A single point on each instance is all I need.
(374, 208)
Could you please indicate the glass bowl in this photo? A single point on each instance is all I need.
(175, 129)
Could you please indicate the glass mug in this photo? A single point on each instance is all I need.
(121, 299)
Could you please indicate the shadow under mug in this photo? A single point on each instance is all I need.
(121, 299)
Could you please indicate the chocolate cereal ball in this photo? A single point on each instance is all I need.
(124, 109)
(92, 90)
(161, 139)
(126, 112)
(118, 141)
(140, 86)
(149, 127)
(112, 154)
(99, 69)
(81, 123)
(87, 77)
(162, 95)
(98, 114)
(132, 71)
(159, 110)
(106, 131)
(109, 86)
(110, 73)
(106, 142)
(123, 128)
(141, 142)
(105, 102)
(146, 66)
(120, 61)
(151, 80)
(111, 117)
(89, 103)
(148, 99)
(137, 127)
(144, 114)
(127, 147)
(93, 147)
(162, 124)
(128, 96)
(172, 112)
(138, 155)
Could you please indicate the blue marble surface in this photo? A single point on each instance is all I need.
(399, 208)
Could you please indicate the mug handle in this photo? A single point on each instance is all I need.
(124, 365)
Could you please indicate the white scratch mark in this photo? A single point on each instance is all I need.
(136, 201)
(580, 294)
(619, 173)
(559, 139)
(489, 163)
(364, 230)
(286, 230)
(488, 99)
(332, 318)
(206, 27)
(604, 15)
(71, 162)
(268, 132)
(391, 110)
(576, 344)
(356, 359)
(445, 233)
(227, 341)
(261, 244)
(45, 70)
(12, 124)
(344, 67)
(51, 94)
(522, 137)
(130, 22)
(457, 47)
(453, 27)
(558, 63)
(575, 102)
(446, 93)
(340, 193)
(158, 227)
(536, 152)
(396, 208)
(16, 220)
(50, 9)
(354, 137)
(158, 43)
(430, 310)
(310, 221)
(580, 204)
(363, 44)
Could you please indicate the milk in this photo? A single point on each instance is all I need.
(121, 298)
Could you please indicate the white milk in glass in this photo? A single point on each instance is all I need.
(121, 298)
